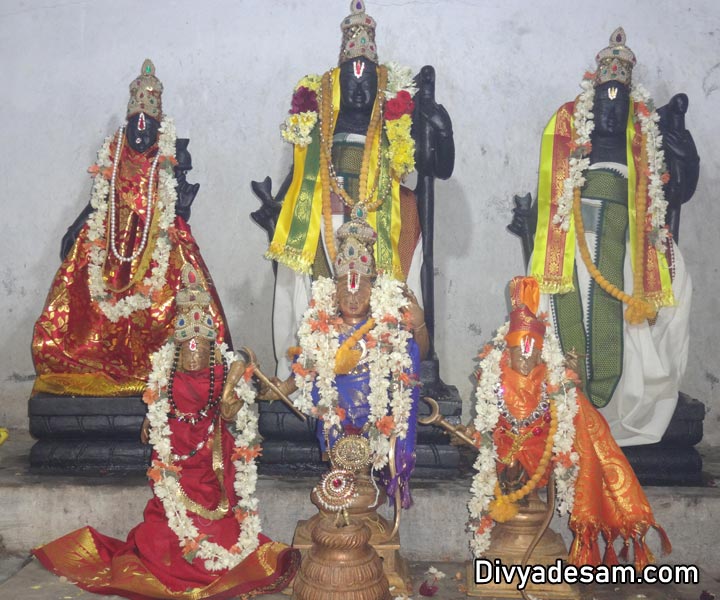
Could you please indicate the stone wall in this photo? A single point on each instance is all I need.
(229, 66)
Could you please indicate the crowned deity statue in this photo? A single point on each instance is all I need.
(111, 303)
(535, 427)
(613, 280)
(200, 535)
(356, 368)
(357, 132)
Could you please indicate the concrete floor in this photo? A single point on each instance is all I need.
(33, 582)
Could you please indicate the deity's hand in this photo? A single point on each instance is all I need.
(417, 322)
(436, 117)
(268, 394)
(432, 130)
(681, 154)
(230, 404)
(267, 215)
(145, 431)
(468, 430)
(186, 193)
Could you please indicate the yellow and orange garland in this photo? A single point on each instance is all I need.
(639, 309)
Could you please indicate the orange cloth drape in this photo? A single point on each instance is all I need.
(609, 501)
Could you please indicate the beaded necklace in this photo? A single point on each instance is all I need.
(113, 210)
(541, 410)
(194, 418)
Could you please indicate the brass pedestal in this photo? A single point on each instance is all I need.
(509, 541)
(360, 511)
(341, 565)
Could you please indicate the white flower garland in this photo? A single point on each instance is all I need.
(167, 485)
(488, 415)
(115, 309)
(387, 362)
(584, 125)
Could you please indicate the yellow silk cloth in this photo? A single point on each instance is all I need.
(77, 350)
(299, 226)
(609, 500)
(85, 558)
(554, 251)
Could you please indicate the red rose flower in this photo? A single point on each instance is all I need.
(304, 100)
(400, 105)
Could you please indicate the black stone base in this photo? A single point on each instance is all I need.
(673, 461)
(87, 436)
(101, 436)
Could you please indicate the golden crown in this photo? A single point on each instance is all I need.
(358, 30)
(146, 93)
(616, 62)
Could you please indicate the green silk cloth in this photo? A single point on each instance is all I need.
(596, 329)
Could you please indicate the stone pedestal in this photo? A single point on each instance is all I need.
(87, 435)
(673, 461)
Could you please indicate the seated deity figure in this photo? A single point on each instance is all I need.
(356, 369)
(352, 131)
(602, 244)
(200, 536)
(534, 425)
(111, 303)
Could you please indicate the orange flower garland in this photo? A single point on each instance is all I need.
(638, 308)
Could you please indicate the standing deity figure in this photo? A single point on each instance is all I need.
(353, 131)
(356, 368)
(614, 282)
(200, 536)
(112, 300)
(535, 427)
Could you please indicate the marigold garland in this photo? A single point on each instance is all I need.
(650, 220)
(393, 81)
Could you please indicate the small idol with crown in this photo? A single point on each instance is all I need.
(356, 368)
(200, 537)
(535, 427)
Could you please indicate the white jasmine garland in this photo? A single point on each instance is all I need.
(400, 78)
(113, 308)
(167, 487)
(387, 361)
(584, 125)
(565, 400)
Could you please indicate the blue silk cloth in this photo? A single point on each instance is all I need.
(353, 390)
